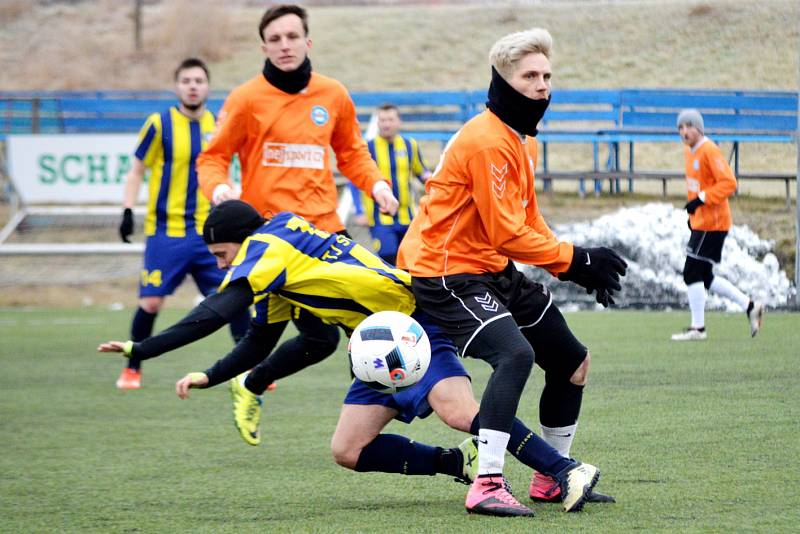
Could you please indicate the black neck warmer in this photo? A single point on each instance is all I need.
(515, 109)
(289, 82)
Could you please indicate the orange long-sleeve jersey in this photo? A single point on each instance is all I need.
(480, 208)
(283, 143)
(709, 176)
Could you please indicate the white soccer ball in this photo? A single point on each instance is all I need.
(389, 351)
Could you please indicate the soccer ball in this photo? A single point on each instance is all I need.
(389, 351)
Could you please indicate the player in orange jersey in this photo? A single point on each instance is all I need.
(709, 183)
(480, 212)
(282, 124)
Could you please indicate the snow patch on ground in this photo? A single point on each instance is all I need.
(652, 238)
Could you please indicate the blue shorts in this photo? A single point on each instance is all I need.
(413, 402)
(386, 239)
(167, 261)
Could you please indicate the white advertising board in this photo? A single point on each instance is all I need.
(73, 168)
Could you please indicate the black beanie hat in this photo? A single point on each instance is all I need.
(231, 221)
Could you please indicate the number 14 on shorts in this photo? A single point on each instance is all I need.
(151, 278)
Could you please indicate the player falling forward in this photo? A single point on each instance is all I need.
(286, 262)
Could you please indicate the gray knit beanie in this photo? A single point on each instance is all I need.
(691, 117)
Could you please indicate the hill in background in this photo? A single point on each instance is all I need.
(74, 45)
(715, 44)
(89, 44)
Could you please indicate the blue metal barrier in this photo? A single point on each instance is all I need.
(592, 116)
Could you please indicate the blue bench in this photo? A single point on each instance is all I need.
(428, 116)
(612, 117)
(84, 111)
(433, 115)
(648, 116)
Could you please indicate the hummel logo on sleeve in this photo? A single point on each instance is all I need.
(498, 179)
(588, 259)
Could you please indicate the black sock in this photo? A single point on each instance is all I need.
(750, 306)
(449, 462)
(560, 403)
(141, 328)
(390, 453)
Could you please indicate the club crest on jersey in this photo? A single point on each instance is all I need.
(696, 165)
(319, 115)
(498, 179)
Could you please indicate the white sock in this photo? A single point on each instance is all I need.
(560, 438)
(726, 289)
(491, 451)
(697, 303)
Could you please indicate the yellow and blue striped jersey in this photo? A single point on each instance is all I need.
(169, 143)
(289, 263)
(397, 160)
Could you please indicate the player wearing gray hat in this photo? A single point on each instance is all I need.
(709, 183)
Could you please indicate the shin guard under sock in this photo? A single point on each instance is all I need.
(390, 453)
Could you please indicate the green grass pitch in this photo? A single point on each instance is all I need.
(688, 437)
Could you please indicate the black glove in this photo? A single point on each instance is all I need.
(602, 296)
(596, 269)
(692, 205)
(126, 226)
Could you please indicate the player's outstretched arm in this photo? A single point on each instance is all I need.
(192, 380)
(116, 346)
(206, 318)
(252, 349)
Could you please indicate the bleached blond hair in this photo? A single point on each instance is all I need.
(509, 50)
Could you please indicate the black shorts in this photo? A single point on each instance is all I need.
(706, 246)
(463, 304)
